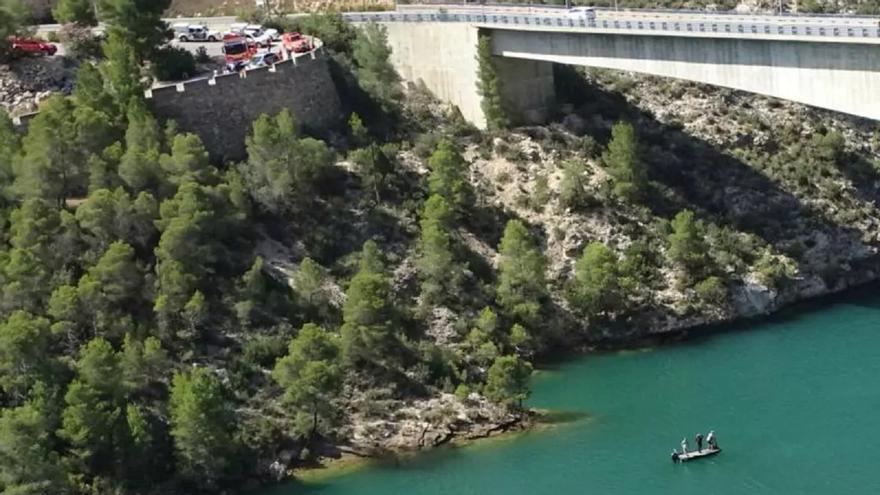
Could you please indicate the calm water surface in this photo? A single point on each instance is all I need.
(795, 402)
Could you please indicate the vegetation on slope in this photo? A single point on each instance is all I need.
(172, 325)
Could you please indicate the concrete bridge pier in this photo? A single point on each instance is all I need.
(527, 89)
(443, 57)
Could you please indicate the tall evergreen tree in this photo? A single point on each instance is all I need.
(311, 377)
(56, 149)
(81, 12)
(282, 167)
(521, 282)
(687, 246)
(436, 262)
(9, 148)
(29, 463)
(376, 75)
(625, 164)
(449, 178)
(489, 86)
(137, 23)
(595, 287)
(139, 167)
(25, 356)
(202, 424)
(368, 334)
(507, 381)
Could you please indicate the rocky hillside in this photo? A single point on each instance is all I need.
(787, 196)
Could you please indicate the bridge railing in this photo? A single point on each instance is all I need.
(738, 29)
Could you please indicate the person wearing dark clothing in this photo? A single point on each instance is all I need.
(699, 440)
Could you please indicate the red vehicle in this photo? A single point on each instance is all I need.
(238, 51)
(31, 46)
(296, 43)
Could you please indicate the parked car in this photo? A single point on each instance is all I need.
(32, 46)
(195, 32)
(296, 43)
(262, 37)
(263, 59)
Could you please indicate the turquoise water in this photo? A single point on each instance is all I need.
(795, 401)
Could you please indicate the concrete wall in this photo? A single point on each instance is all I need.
(838, 76)
(443, 56)
(221, 110)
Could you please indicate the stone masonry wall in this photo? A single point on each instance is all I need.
(221, 110)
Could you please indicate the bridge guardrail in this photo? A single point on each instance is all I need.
(746, 29)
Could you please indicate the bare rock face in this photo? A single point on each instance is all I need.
(424, 423)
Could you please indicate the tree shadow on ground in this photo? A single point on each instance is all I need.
(691, 173)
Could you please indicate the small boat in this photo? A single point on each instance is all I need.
(696, 454)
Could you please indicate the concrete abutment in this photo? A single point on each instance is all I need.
(443, 57)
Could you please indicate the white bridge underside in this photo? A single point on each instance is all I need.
(843, 77)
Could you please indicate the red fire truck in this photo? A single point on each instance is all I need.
(238, 51)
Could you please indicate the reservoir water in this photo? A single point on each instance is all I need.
(794, 400)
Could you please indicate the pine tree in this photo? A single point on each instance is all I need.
(521, 281)
(202, 424)
(188, 162)
(29, 463)
(121, 71)
(625, 164)
(137, 23)
(595, 288)
(282, 167)
(81, 12)
(9, 148)
(507, 381)
(376, 74)
(374, 167)
(24, 349)
(139, 167)
(311, 377)
(55, 151)
(481, 339)
(142, 363)
(308, 283)
(687, 245)
(360, 135)
(368, 335)
(572, 189)
(436, 262)
(449, 178)
(489, 86)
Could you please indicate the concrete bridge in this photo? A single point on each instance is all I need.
(831, 62)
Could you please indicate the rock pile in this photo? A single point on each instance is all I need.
(26, 82)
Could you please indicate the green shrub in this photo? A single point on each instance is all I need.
(711, 291)
(173, 64)
(52, 36)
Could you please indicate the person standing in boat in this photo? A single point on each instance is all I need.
(711, 441)
(698, 439)
(684, 446)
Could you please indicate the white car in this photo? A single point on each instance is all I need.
(587, 14)
(263, 59)
(262, 37)
(195, 32)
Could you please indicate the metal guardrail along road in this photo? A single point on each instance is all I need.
(723, 26)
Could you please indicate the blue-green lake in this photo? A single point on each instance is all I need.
(795, 401)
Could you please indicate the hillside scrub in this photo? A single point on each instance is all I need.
(173, 325)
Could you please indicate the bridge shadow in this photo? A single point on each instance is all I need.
(689, 172)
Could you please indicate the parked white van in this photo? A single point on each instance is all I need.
(587, 14)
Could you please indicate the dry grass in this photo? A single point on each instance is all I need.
(232, 7)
